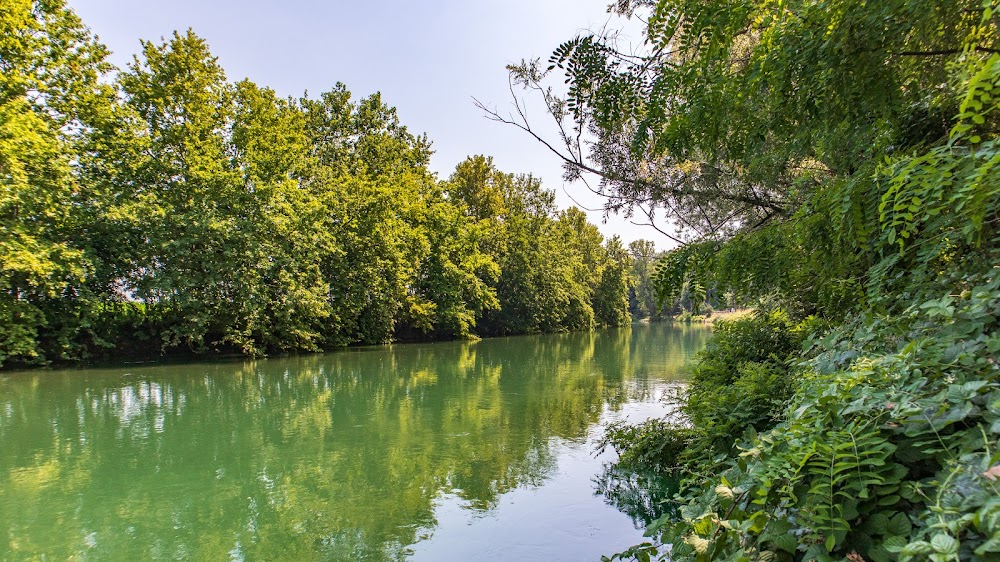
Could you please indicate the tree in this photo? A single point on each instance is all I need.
(739, 118)
(553, 268)
(363, 138)
(49, 70)
(642, 295)
(374, 254)
(282, 300)
(611, 293)
(453, 287)
(732, 114)
(512, 212)
(176, 193)
(211, 231)
(168, 209)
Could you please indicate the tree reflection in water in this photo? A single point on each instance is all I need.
(336, 456)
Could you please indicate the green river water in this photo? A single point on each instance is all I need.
(445, 451)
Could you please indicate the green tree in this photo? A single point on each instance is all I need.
(168, 209)
(554, 268)
(642, 295)
(734, 116)
(453, 287)
(374, 255)
(176, 192)
(361, 139)
(50, 67)
(281, 302)
(369, 174)
(611, 294)
(513, 212)
(480, 188)
(222, 245)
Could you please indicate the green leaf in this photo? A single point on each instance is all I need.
(785, 542)
(916, 548)
(944, 544)
(877, 524)
(895, 544)
(899, 525)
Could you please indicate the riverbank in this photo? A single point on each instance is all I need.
(711, 319)
(145, 352)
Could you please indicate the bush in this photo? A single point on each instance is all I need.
(742, 381)
(887, 452)
(654, 444)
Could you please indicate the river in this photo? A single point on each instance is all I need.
(423, 452)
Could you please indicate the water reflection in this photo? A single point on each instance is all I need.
(644, 496)
(340, 456)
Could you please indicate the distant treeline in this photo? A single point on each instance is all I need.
(163, 208)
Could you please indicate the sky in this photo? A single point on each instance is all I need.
(428, 59)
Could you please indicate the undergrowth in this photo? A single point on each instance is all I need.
(887, 451)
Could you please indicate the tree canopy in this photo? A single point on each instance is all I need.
(784, 124)
(163, 208)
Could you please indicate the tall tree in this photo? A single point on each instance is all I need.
(50, 67)
(734, 118)
(731, 114)
(642, 295)
(454, 285)
(612, 290)
(169, 208)
(362, 138)
(177, 194)
(281, 302)
(373, 255)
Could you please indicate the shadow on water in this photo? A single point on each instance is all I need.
(337, 456)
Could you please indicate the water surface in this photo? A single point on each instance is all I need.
(444, 451)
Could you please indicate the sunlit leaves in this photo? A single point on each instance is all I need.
(167, 209)
(49, 65)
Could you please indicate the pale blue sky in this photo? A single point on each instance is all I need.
(429, 59)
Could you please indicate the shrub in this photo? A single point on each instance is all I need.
(741, 381)
(888, 451)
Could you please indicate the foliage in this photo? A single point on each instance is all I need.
(742, 381)
(555, 271)
(49, 69)
(642, 296)
(885, 451)
(655, 444)
(731, 115)
(838, 160)
(165, 209)
(611, 292)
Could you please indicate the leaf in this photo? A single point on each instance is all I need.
(916, 548)
(877, 524)
(895, 544)
(784, 542)
(899, 525)
(944, 544)
(888, 500)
